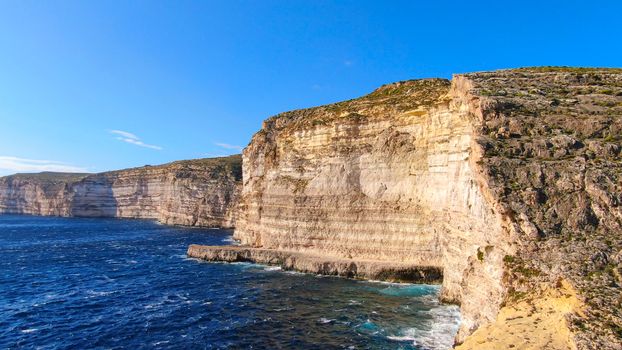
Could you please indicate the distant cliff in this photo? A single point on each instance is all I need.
(201, 192)
(508, 181)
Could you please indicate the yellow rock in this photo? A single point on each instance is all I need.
(539, 323)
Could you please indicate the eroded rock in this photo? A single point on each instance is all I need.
(508, 181)
(200, 192)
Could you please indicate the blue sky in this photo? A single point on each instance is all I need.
(100, 85)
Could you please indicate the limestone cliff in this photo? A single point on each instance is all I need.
(46, 193)
(508, 181)
(551, 141)
(200, 192)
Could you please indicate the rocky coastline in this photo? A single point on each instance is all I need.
(321, 265)
(199, 192)
(503, 186)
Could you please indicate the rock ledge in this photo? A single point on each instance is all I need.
(372, 270)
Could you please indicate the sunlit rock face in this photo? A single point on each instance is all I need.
(387, 177)
(492, 177)
(551, 141)
(199, 192)
(46, 193)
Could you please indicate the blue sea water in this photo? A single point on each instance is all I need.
(72, 283)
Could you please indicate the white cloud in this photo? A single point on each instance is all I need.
(228, 146)
(139, 143)
(347, 63)
(10, 165)
(128, 137)
(125, 134)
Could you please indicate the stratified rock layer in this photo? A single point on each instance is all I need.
(507, 181)
(388, 177)
(200, 192)
(373, 270)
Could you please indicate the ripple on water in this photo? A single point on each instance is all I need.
(109, 283)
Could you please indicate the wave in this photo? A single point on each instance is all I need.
(93, 293)
(409, 290)
(436, 333)
(230, 241)
(72, 293)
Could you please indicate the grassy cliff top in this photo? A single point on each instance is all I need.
(221, 165)
(558, 78)
(387, 100)
(421, 93)
(232, 160)
(48, 176)
(565, 69)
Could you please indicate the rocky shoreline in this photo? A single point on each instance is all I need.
(505, 186)
(308, 263)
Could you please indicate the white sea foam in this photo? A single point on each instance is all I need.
(93, 293)
(29, 330)
(325, 320)
(389, 283)
(273, 268)
(401, 338)
(156, 305)
(437, 333)
(243, 263)
(230, 241)
(283, 309)
(429, 299)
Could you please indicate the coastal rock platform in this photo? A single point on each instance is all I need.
(323, 265)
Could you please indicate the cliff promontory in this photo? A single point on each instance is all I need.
(508, 182)
(200, 192)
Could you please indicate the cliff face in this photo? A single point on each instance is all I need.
(508, 181)
(386, 177)
(552, 139)
(199, 192)
(46, 193)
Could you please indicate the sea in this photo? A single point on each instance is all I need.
(93, 283)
